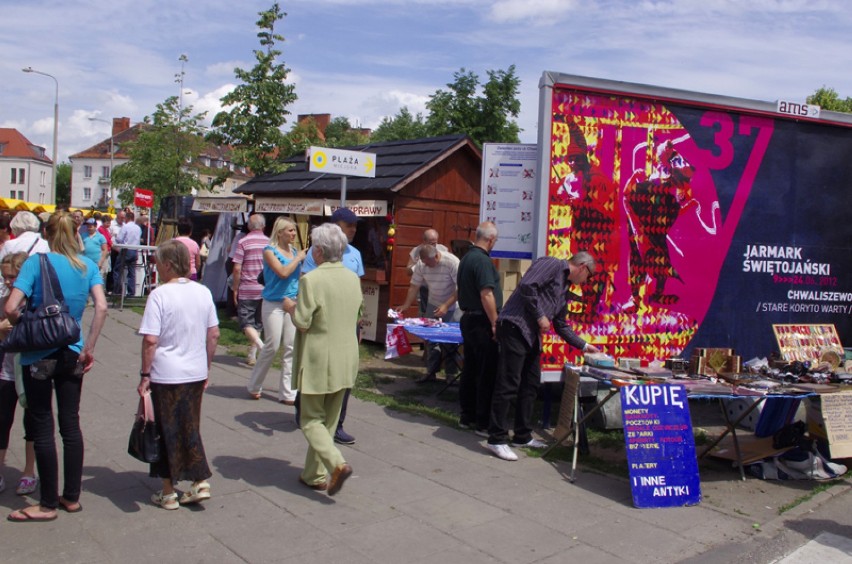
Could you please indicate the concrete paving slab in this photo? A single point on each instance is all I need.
(825, 548)
(517, 540)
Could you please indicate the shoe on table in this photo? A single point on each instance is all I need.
(532, 443)
(343, 438)
(502, 451)
(26, 485)
(166, 501)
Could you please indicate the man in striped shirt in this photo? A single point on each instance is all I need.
(437, 271)
(538, 303)
(248, 264)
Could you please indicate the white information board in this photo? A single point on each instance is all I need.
(507, 198)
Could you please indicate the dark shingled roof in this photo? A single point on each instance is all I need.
(397, 164)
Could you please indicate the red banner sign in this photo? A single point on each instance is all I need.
(143, 198)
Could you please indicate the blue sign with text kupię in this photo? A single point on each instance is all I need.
(660, 446)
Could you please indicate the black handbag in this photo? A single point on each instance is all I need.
(144, 442)
(48, 325)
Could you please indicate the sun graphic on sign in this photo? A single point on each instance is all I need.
(319, 159)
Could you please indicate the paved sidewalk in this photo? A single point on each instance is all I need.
(420, 493)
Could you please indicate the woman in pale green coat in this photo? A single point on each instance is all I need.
(326, 312)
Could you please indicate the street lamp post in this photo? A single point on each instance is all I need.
(111, 159)
(55, 122)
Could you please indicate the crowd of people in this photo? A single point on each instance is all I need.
(307, 302)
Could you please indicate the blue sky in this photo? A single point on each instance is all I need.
(365, 59)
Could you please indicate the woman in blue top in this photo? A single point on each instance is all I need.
(281, 270)
(59, 369)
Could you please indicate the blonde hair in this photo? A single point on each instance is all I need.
(61, 234)
(280, 224)
(14, 261)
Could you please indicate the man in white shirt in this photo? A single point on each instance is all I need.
(129, 234)
(430, 237)
(114, 228)
(438, 272)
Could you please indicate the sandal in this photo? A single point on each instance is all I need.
(26, 485)
(23, 516)
(166, 501)
(198, 492)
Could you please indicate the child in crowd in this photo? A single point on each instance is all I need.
(10, 265)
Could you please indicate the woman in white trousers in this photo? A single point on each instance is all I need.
(281, 269)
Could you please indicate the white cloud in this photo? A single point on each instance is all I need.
(541, 11)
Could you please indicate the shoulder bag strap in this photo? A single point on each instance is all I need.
(50, 288)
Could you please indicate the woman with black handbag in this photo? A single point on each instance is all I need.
(180, 330)
(58, 369)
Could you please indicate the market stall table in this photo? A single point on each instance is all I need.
(446, 333)
(615, 379)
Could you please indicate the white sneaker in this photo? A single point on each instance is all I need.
(251, 358)
(532, 443)
(502, 451)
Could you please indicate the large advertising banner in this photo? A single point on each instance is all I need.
(709, 224)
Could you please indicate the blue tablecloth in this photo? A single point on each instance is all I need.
(450, 333)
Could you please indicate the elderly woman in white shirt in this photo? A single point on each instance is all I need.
(180, 332)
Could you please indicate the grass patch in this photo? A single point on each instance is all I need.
(412, 407)
(817, 489)
(612, 439)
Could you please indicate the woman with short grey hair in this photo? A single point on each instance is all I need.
(330, 240)
(24, 221)
(326, 310)
(25, 227)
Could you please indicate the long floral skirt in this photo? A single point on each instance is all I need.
(177, 411)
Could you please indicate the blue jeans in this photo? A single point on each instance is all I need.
(127, 260)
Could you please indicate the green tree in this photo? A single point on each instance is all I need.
(340, 133)
(258, 106)
(485, 118)
(168, 140)
(400, 127)
(63, 184)
(301, 136)
(828, 99)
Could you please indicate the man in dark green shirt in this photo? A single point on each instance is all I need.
(480, 298)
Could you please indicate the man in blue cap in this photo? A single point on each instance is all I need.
(348, 222)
